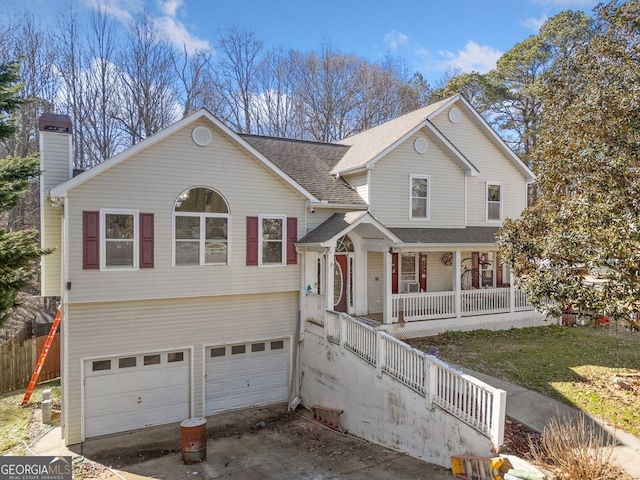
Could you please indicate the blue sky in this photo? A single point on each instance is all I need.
(430, 35)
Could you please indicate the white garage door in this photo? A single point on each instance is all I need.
(127, 393)
(246, 375)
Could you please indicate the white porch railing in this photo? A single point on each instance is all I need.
(423, 306)
(477, 404)
(484, 300)
(522, 301)
(315, 307)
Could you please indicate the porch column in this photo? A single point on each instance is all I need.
(457, 281)
(386, 282)
(512, 291)
(329, 267)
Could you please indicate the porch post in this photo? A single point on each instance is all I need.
(328, 278)
(512, 291)
(386, 279)
(457, 282)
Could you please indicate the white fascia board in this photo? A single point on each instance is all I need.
(62, 189)
(346, 206)
(367, 218)
(461, 160)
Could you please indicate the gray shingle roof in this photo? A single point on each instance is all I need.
(309, 164)
(331, 227)
(458, 236)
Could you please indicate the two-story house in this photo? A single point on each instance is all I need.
(189, 265)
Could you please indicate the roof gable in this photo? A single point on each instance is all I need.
(61, 190)
(371, 145)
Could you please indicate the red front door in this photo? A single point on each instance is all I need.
(340, 283)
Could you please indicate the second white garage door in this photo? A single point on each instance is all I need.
(246, 375)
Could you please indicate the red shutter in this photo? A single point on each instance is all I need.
(423, 272)
(252, 240)
(90, 240)
(146, 240)
(498, 270)
(394, 273)
(475, 274)
(292, 237)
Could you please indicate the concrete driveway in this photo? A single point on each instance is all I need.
(240, 447)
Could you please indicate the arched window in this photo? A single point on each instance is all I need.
(344, 245)
(201, 226)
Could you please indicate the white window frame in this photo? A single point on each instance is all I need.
(261, 241)
(491, 184)
(489, 267)
(428, 198)
(103, 239)
(404, 283)
(202, 240)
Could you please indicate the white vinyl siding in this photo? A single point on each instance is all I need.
(375, 282)
(492, 164)
(361, 184)
(439, 275)
(151, 182)
(120, 329)
(56, 148)
(390, 193)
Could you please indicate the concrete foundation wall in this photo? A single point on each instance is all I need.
(381, 410)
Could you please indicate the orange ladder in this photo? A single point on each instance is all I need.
(41, 359)
(479, 468)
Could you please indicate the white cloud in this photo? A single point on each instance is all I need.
(474, 58)
(121, 10)
(534, 24)
(170, 7)
(179, 35)
(396, 39)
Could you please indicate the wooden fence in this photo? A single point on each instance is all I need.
(18, 357)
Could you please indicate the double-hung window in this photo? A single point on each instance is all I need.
(201, 228)
(419, 197)
(272, 240)
(494, 202)
(120, 238)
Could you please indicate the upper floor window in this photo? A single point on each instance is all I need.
(272, 240)
(419, 197)
(494, 201)
(120, 237)
(201, 228)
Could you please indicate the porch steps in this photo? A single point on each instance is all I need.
(479, 468)
(329, 416)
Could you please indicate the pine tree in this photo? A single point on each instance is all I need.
(19, 250)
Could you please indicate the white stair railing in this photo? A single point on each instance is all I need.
(476, 403)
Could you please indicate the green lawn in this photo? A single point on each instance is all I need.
(14, 418)
(574, 365)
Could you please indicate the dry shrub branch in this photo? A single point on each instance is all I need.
(576, 449)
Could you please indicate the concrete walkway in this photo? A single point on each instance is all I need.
(536, 411)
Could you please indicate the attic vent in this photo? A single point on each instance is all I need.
(201, 136)
(421, 145)
(454, 115)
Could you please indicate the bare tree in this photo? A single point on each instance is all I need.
(71, 63)
(194, 74)
(103, 138)
(148, 96)
(327, 85)
(28, 42)
(278, 109)
(239, 61)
